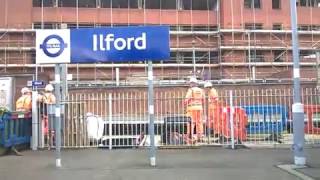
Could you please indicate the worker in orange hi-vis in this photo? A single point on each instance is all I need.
(48, 96)
(213, 107)
(47, 101)
(24, 103)
(194, 101)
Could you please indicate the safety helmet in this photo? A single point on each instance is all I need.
(49, 88)
(89, 114)
(208, 84)
(193, 80)
(25, 90)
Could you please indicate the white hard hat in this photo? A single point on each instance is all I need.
(49, 88)
(193, 80)
(25, 90)
(208, 84)
(89, 114)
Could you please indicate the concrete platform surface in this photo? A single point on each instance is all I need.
(176, 164)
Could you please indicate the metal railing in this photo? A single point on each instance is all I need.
(240, 117)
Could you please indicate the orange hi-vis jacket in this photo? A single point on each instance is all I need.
(194, 99)
(49, 98)
(24, 103)
(213, 96)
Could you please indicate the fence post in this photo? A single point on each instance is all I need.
(110, 121)
(35, 121)
(231, 118)
(117, 77)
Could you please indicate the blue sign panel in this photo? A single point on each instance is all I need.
(37, 83)
(94, 45)
(120, 44)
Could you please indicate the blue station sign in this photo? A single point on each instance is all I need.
(37, 83)
(102, 45)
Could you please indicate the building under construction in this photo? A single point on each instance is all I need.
(218, 40)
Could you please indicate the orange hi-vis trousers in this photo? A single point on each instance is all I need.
(196, 122)
(214, 117)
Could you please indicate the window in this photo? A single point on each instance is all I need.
(81, 25)
(307, 54)
(307, 27)
(309, 3)
(87, 3)
(303, 27)
(255, 56)
(315, 28)
(193, 28)
(213, 4)
(200, 4)
(277, 27)
(46, 3)
(168, 4)
(278, 56)
(186, 4)
(105, 3)
(37, 25)
(252, 26)
(120, 4)
(276, 4)
(252, 4)
(303, 2)
(175, 57)
(196, 4)
(134, 3)
(67, 3)
(187, 57)
(152, 4)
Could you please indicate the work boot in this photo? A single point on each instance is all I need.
(15, 151)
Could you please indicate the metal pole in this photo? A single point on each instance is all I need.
(151, 115)
(231, 119)
(249, 55)
(57, 115)
(77, 12)
(253, 68)
(140, 5)
(297, 107)
(64, 92)
(318, 72)
(64, 81)
(110, 121)
(117, 77)
(42, 15)
(194, 58)
(35, 122)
